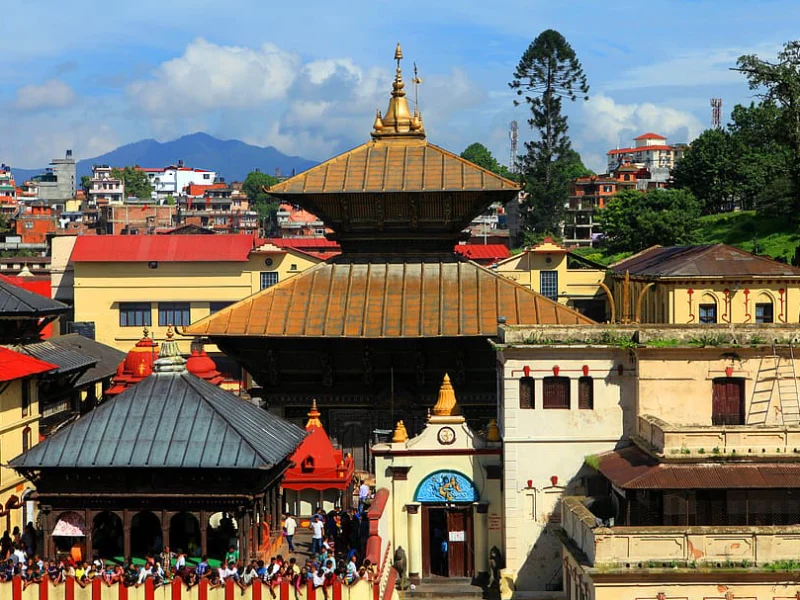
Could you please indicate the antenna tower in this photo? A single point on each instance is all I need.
(513, 136)
(716, 113)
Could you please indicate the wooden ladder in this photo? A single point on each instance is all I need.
(788, 395)
(763, 388)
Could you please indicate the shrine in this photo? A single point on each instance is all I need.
(369, 332)
(446, 487)
(172, 460)
(321, 476)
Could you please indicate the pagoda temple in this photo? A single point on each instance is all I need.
(368, 332)
(321, 475)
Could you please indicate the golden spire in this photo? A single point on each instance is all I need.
(492, 431)
(446, 408)
(313, 417)
(400, 433)
(398, 122)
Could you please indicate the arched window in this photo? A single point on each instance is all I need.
(526, 399)
(555, 392)
(586, 393)
(765, 312)
(708, 309)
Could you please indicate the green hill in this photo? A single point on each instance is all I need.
(746, 230)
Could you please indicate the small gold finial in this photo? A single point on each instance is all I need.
(170, 332)
(313, 417)
(378, 124)
(493, 431)
(398, 54)
(446, 405)
(400, 433)
(398, 121)
(145, 332)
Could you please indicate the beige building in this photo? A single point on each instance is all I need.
(444, 488)
(561, 275)
(122, 284)
(669, 461)
(704, 284)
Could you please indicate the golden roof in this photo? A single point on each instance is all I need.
(313, 417)
(387, 299)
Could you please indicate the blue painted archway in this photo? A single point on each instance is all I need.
(446, 486)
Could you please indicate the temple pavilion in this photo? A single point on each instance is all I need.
(172, 460)
(369, 332)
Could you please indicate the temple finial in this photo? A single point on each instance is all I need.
(398, 121)
(398, 54)
(313, 417)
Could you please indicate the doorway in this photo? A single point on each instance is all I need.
(447, 541)
(727, 401)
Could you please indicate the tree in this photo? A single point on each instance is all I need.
(266, 206)
(633, 220)
(779, 82)
(136, 182)
(548, 72)
(86, 185)
(708, 170)
(480, 155)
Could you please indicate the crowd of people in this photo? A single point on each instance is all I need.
(338, 539)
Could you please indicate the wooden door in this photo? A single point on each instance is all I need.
(457, 543)
(727, 402)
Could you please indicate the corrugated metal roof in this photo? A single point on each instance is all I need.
(368, 298)
(15, 365)
(717, 260)
(631, 468)
(169, 420)
(15, 300)
(162, 248)
(483, 251)
(107, 358)
(56, 352)
(381, 166)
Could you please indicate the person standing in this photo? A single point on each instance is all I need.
(317, 528)
(363, 495)
(289, 528)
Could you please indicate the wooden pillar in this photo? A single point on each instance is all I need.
(165, 517)
(88, 519)
(203, 532)
(126, 533)
(245, 535)
(49, 542)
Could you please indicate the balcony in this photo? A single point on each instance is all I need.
(659, 547)
(670, 441)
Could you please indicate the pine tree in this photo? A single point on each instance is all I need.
(548, 72)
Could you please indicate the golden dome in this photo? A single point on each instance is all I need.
(313, 417)
(398, 121)
(492, 431)
(446, 405)
(400, 433)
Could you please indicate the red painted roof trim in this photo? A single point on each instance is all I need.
(15, 365)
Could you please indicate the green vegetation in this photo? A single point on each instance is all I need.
(254, 187)
(480, 155)
(136, 182)
(776, 237)
(592, 461)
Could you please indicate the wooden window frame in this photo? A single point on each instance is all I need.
(531, 403)
(586, 402)
(548, 390)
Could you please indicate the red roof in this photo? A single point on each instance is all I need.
(639, 149)
(14, 365)
(196, 189)
(483, 251)
(650, 136)
(302, 243)
(162, 248)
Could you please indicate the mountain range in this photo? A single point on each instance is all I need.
(231, 159)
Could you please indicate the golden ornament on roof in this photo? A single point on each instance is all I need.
(400, 433)
(446, 405)
(313, 417)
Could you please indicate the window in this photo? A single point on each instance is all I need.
(607, 189)
(764, 312)
(268, 279)
(28, 224)
(206, 176)
(708, 313)
(526, 392)
(586, 393)
(555, 392)
(135, 314)
(548, 284)
(293, 267)
(218, 306)
(26, 396)
(173, 313)
(26, 439)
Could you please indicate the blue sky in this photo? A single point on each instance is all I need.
(307, 76)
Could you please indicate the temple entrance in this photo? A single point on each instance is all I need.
(107, 535)
(223, 532)
(146, 534)
(448, 546)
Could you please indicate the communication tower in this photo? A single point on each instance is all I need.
(513, 136)
(716, 113)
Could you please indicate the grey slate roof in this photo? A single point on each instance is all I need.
(57, 353)
(107, 358)
(710, 260)
(16, 301)
(169, 420)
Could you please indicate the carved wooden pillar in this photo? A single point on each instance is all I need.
(126, 533)
(165, 517)
(88, 519)
(203, 532)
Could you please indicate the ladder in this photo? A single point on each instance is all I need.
(775, 372)
(787, 387)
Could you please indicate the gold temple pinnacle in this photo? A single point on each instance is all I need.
(398, 122)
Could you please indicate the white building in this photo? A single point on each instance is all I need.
(105, 188)
(650, 151)
(171, 180)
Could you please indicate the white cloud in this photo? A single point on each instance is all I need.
(208, 76)
(606, 120)
(53, 93)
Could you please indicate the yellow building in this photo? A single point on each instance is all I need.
(19, 430)
(555, 272)
(124, 283)
(704, 285)
(668, 461)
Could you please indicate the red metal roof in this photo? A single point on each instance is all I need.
(14, 365)
(632, 468)
(479, 252)
(650, 136)
(300, 243)
(639, 149)
(162, 248)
